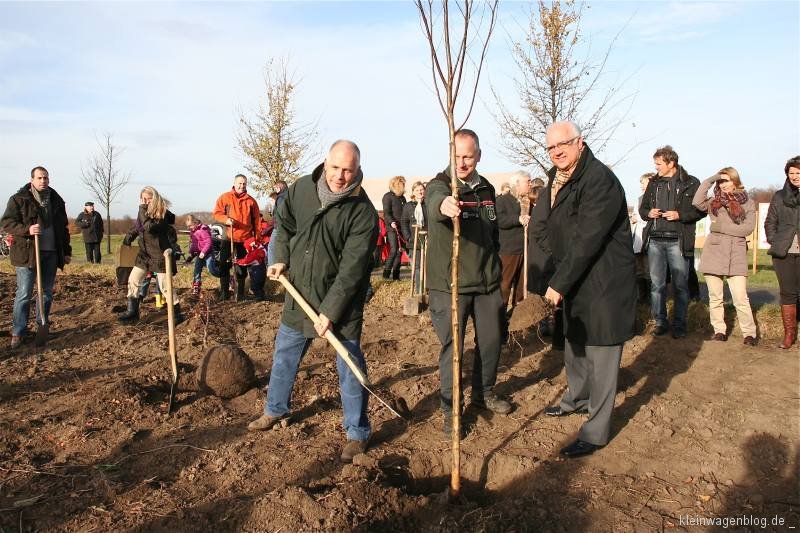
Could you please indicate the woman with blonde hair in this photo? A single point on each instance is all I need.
(393, 202)
(414, 215)
(152, 227)
(733, 218)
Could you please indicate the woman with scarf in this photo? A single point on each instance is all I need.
(152, 228)
(781, 228)
(393, 202)
(414, 215)
(733, 218)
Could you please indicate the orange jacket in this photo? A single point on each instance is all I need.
(243, 210)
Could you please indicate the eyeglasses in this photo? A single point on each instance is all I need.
(562, 144)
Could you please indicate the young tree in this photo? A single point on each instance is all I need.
(449, 50)
(102, 177)
(275, 145)
(555, 84)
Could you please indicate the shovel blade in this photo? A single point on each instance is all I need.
(411, 305)
(42, 333)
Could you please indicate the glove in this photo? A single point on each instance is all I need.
(188, 259)
(127, 240)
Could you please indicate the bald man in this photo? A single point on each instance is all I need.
(328, 233)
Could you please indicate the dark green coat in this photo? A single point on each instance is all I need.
(478, 260)
(328, 253)
(22, 212)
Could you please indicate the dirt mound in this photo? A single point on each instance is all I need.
(226, 371)
(529, 312)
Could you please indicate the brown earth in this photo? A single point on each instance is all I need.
(701, 429)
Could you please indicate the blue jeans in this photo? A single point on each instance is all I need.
(26, 278)
(199, 264)
(290, 346)
(661, 254)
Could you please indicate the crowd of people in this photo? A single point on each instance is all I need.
(569, 238)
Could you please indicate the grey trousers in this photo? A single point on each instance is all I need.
(486, 311)
(592, 373)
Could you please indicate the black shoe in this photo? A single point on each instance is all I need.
(132, 313)
(678, 333)
(177, 316)
(257, 297)
(750, 341)
(558, 411)
(493, 403)
(396, 274)
(719, 337)
(387, 274)
(579, 448)
(660, 330)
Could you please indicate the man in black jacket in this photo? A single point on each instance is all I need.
(35, 209)
(581, 220)
(478, 275)
(669, 237)
(329, 230)
(91, 224)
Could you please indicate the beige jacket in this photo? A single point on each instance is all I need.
(725, 249)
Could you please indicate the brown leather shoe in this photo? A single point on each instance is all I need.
(16, 341)
(265, 422)
(789, 316)
(719, 337)
(351, 449)
(750, 341)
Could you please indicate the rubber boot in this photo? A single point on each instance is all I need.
(224, 288)
(396, 273)
(789, 316)
(176, 314)
(132, 313)
(160, 301)
(240, 288)
(387, 273)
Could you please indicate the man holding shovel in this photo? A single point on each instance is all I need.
(36, 213)
(325, 244)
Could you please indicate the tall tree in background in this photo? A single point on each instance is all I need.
(275, 145)
(449, 46)
(103, 178)
(555, 84)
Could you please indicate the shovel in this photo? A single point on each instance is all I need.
(42, 326)
(395, 405)
(173, 355)
(411, 303)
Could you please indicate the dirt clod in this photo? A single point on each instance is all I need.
(226, 371)
(529, 312)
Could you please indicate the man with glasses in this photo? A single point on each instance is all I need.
(668, 237)
(581, 222)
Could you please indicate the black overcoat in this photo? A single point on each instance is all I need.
(588, 235)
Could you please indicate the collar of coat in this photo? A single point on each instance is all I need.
(25, 191)
(681, 175)
(583, 161)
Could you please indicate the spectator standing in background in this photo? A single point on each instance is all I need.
(91, 224)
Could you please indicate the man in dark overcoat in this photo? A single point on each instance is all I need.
(581, 220)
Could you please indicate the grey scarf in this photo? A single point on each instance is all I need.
(327, 197)
(43, 199)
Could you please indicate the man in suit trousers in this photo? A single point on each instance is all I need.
(581, 220)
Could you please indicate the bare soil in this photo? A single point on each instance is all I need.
(701, 429)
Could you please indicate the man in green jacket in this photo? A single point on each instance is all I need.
(479, 274)
(328, 233)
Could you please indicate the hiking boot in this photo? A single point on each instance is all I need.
(16, 341)
(240, 288)
(132, 313)
(195, 288)
(351, 449)
(493, 403)
(265, 422)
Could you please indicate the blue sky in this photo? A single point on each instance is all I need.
(717, 80)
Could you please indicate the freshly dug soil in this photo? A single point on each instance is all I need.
(226, 371)
(700, 430)
(528, 313)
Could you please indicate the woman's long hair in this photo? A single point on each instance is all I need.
(158, 205)
(397, 185)
(733, 175)
(414, 186)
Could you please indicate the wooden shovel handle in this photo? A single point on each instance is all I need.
(173, 353)
(340, 348)
(39, 293)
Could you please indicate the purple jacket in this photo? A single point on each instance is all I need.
(201, 240)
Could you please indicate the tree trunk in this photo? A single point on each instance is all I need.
(108, 233)
(455, 473)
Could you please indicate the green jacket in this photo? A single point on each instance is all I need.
(478, 261)
(328, 253)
